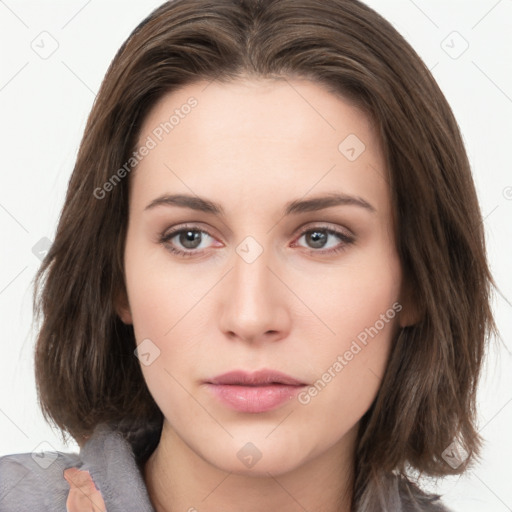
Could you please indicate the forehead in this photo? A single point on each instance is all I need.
(259, 108)
(256, 135)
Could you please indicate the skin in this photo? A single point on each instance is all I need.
(253, 145)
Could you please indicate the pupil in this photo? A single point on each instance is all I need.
(188, 239)
(318, 238)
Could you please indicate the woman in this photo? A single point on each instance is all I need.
(287, 170)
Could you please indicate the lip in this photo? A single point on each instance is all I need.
(258, 378)
(255, 392)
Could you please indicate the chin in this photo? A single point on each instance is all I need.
(257, 459)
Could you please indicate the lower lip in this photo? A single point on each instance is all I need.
(254, 398)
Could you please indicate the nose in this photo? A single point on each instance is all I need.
(254, 305)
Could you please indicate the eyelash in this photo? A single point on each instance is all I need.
(346, 240)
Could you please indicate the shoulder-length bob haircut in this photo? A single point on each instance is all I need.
(86, 370)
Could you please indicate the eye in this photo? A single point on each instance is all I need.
(318, 238)
(191, 239)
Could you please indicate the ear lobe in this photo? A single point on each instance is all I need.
(122, 307)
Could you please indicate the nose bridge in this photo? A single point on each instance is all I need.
(251, 278)
(252, 302)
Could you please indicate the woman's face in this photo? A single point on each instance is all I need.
(270, 273)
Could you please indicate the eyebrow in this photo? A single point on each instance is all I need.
(293, 207)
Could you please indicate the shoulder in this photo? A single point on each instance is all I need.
(104, 473)
(35, 481)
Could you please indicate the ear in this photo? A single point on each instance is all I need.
(411, 312)
(122, 307)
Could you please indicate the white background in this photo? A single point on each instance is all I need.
(44, 104)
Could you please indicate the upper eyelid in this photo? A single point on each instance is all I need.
(175, 231)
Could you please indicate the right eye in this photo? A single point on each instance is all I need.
(189, 238)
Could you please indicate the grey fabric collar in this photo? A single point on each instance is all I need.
(30, 483)
(110, 461)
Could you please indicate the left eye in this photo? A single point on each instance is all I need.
(318, 238)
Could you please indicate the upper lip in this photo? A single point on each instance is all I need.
(258, 378)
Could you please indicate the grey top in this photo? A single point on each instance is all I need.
(27, 485)
(29, 482)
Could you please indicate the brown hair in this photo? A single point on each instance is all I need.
(86, 370)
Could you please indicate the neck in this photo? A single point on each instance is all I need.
(179, 480)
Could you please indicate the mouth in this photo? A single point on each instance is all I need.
(257, 392)
(258, 378)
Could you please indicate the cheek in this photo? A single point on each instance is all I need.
(354, 297)
(165, 303)
(361, 306)
(160, 295)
